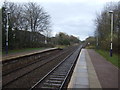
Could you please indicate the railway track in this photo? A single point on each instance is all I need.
(14, 76)
(12, 67)
(19, 58)
(56, 78)
(18, 63)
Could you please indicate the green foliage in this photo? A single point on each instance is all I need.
(64, 39)
(114, 59)
(60, 46)
(90, 40)
(103, 27)
(90, 47)
(19, 21)
(22, 39)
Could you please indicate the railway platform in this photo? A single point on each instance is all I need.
(93, 71)
(84, 75)
(12, 56)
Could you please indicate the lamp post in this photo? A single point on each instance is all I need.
(111, 44)
(7, 33)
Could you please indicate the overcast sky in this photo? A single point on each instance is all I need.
(74, 17)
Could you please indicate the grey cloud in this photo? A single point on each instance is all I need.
(73, 18)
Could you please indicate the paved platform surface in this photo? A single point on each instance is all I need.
(93, 71)
(107, 73)
(84, 75)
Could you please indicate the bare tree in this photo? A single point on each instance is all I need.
(28, 16)
(37, 19)
(25, 16)
(15, 14)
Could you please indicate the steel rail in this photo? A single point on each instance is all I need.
(37, 83)
(4, 74)
(34, 69)
(69, 71)
(12, 60)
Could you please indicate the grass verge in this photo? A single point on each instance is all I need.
(114, 59)
(90, 47)
(60, 46)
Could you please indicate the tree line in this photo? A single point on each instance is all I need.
(26, 20)
(27, 23)
(64, 39)
(103, 27)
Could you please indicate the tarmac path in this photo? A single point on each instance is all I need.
(107, 73)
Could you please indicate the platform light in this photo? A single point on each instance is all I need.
(8, 13)
(111, 44)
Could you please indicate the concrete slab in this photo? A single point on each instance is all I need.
(80, 76)
(21, 54)
(84, 75)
